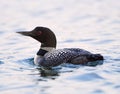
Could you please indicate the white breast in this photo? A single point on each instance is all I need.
(37, 59)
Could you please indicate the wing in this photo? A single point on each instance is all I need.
(60, 56)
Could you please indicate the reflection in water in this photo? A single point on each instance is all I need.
(95, 63)
(45, 72)
(48, 71)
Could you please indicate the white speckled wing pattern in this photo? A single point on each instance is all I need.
(57, 57)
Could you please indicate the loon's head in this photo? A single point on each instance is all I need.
(43, 35)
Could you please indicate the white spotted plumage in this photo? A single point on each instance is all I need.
(57, 57)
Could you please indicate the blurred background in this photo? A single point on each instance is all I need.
(93, 25)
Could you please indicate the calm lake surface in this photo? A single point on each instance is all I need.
(93, 25)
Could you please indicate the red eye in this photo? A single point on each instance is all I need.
(39, 33)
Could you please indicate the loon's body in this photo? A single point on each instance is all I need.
(49, 56)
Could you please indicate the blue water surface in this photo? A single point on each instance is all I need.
(93, 25)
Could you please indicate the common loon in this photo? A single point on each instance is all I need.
(49, 56)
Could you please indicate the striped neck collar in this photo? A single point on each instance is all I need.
(43, 50)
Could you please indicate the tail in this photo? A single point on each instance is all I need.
(95, 57)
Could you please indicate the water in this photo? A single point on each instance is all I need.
(90, 24)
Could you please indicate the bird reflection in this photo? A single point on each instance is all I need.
(53, 73)
(94, 63)
(47, 72)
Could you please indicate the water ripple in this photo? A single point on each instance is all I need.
(1, 62)
(87, 77)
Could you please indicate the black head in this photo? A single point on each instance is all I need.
(43, 35)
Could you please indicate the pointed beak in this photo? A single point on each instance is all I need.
(25, 33)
